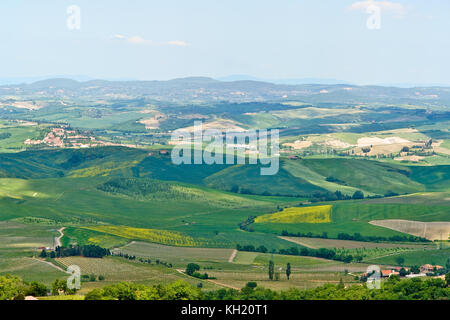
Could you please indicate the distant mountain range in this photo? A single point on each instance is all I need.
(289, 81)
(28, 80)
(203, 89)
(230, 78)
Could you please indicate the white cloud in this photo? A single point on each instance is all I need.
(395, 8)
(138, 40)
(178, 43)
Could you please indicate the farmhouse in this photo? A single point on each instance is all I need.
(400, 268)
(429, 268)
(388, 273)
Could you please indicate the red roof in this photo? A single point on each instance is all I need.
(388, 273)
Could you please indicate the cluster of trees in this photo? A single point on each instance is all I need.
(331, 254)
(334, 196)
(60, 286)
(316, 196)
(355, 237)
(324, 253)
(178, 290)
(246, 225)
(5, 135)
(251, 248)
(192, 270)
(319, 196)
(236, 189)
(392, 289)
(273, 275)
(285, 233)
(335, 180)
(14, 288)
(139, 188)
(142, 188)
(89, 251)
(91, 278)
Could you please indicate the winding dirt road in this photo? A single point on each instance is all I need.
(58, 239)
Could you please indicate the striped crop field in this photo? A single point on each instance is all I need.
(165, 237)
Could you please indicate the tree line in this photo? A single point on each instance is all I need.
(356, 237)
(89, 251)
(324, 253)
(394, 288)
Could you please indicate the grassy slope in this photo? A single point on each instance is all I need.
(436, 178)
(18, 243)
(297, 169)
(68, 198)
(367, 175)
(249, 177)
(295, 177)
(18, 136)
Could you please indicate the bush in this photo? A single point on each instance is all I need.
(358, 195)
(36, 289)
(390, 193)
(191, 268)
(10, 287)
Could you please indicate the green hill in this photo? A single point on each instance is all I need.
(300, 177)
(372, 176)
(248, 179)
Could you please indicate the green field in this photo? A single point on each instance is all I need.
(19, 243)
(353, 216)
(317, 243)
(176, 255)
(82, 236)
(137, 202)
(96, 186)
(419, 257)
(13, 135)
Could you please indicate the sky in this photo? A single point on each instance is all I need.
(362, 42)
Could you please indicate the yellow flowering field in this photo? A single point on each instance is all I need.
(316, 214)
(172, 238)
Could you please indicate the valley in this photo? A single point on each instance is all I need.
(361, 181)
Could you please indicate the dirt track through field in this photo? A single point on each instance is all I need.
(58, 239)
(233, 255)
(50, 264)
(298, 241)
(224, 285)
(209, 280)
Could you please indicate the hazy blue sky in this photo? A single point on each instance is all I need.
(147, 39)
